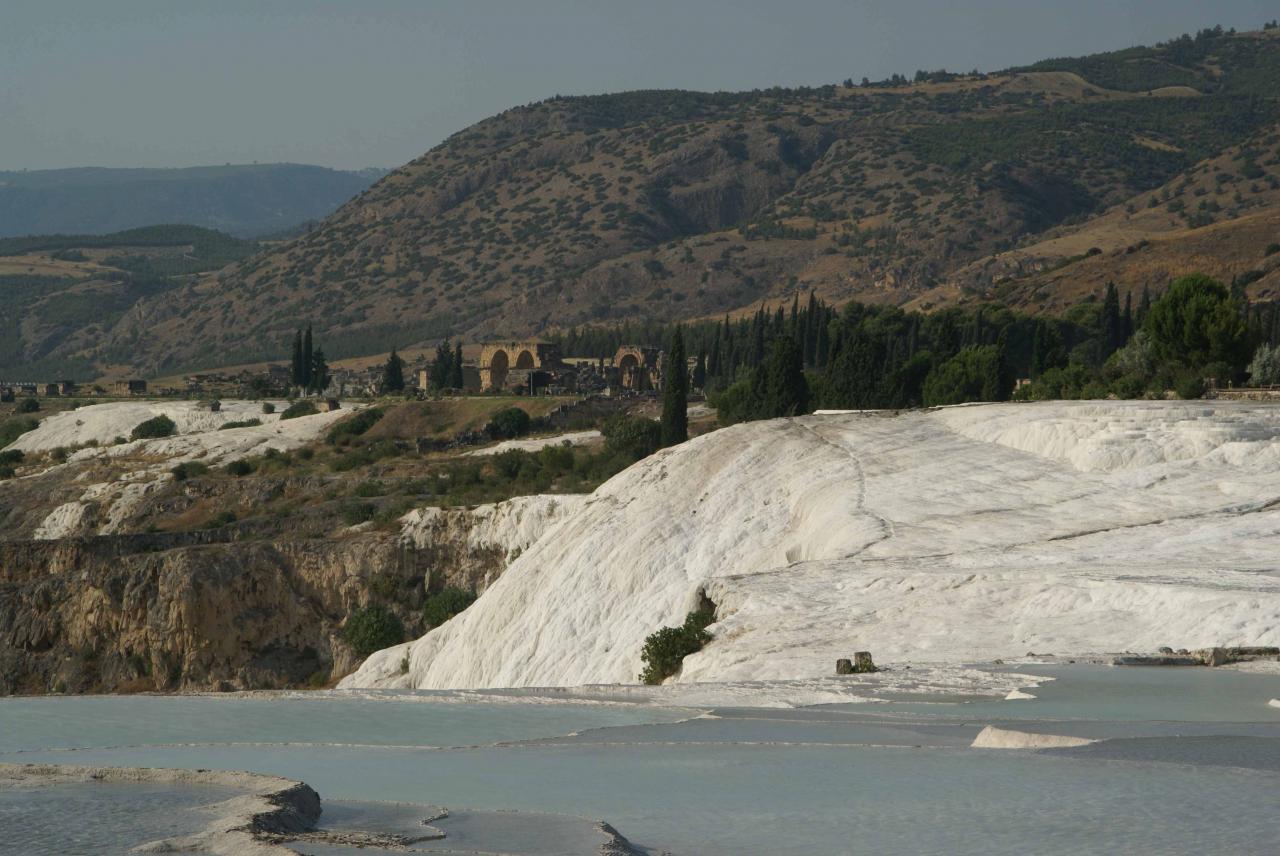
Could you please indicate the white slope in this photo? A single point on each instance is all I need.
(103, 423)
(533, 444)
(950, 536)
(105, 506)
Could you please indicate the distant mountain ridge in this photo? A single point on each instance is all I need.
(242, 200)
(1033, 186)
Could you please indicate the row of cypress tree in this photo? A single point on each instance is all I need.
(309, 371)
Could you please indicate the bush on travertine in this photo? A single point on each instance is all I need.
(372, 628)
(665, 649)
(156, 426)
(445, 604)
(299, 408)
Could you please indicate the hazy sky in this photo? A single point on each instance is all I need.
(378, 82)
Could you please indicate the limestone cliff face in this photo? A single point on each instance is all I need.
(199, 610)
(132, 613)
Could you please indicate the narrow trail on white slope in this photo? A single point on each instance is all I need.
(887, 530)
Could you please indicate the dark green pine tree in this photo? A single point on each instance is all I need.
(700, 371)
(393, 374)
(675, 393)
(997, 380)
(822, 349)
(1110, 321)
(319, 371)
(1126, 320)
(713, 360)
(1144, 306)
(441, 366)
(456, 376)
(1038, 346)
(307, 356)
(811, 331)
(757, 339)
(295, 372)
(784, 390)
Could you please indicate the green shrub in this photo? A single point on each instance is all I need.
(222, 518)
(372, 628)
(189, 469)
(268, 407)
(299, 408)
(445, 604)
(665, 649)
(243, 423)
(507, 464)
(12, 429)
(350, 461)
(508, 423)
(6, 472)
(354, 426)
(1273, 248)
(393, 511)
(370, 488)
(13, 456)
(355, 513)
(240, 467)
(632, 436)
(27, 405)
(156, 426)
(363, 456)
(1190, 386)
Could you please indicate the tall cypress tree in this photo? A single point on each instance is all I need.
(757, 339)
(319, 372)
(675, 393)
(700, 371)
(784, 390)
(811, 331)
(1111, 331)
(307, 356)
(456, 380)
(441, 366)
(822, 350)
(295, 374)
(1144, 306)
(713, 361)
(1126, 320)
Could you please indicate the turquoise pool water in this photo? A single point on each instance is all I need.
(1190, 763)
(89, 819)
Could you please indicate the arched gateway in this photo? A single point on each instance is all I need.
(505, 365)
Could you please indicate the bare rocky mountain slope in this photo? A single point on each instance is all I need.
(677, 204)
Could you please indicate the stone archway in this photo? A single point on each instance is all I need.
(629, 372)
(499, 363)
(525, 360)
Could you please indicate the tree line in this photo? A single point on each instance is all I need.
(874, 357)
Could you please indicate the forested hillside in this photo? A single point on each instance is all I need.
(945, 190)
(62, 293)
